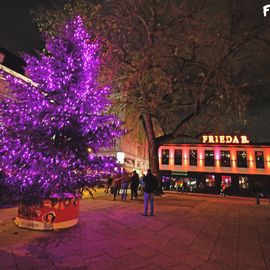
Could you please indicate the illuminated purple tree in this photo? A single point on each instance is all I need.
(52, 128)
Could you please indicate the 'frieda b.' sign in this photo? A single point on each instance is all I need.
(225, 139)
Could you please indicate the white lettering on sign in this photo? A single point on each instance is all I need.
(228, 139)
(266, 8)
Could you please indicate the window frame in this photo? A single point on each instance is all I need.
(209, 162)
(246, 184)
(193, 161)
(238, 164)
(167, 159)
(180, 159)
(223, 159)
(257, 162)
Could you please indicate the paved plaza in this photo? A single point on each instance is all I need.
(187, 232)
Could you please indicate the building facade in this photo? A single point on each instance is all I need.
(131, 150)
(218, 161)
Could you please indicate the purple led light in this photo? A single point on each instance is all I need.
(47, 130)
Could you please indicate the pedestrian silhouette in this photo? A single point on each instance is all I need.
(150, 186)
(134, 184)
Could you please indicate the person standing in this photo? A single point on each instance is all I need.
(108, 184)
(258, 192)
(124, 186)
(150, 185)
(134, 184)
(223, 189)
(185, 188)
(116, 183)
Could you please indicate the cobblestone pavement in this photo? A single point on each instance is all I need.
(187, 232)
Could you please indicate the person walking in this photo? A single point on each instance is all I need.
(134, 184)
(150, 185)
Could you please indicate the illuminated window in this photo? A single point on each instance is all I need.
(210, 180)
(193, 157)
(243, 182)
(192, 184)
(241, 159)
(120, 157)
(259, 159)
(165, 157)
(177, 157)
(209, 158)
(227, 180)
(225, 159)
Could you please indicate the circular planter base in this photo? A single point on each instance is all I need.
(58, 212)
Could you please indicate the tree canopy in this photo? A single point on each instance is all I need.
(52, 128)
(185, 66)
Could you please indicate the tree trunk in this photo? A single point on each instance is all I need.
(153, 147)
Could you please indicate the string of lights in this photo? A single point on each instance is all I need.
(48, 127)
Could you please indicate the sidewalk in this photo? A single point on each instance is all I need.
(264, 200)
(187, 232)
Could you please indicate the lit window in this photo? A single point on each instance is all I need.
(209, 158)
(226, 180)
(192, 184)
(120, 157)
(177, 157)
(193, 157)
(259, 159)
(241, 159)
(165, 157)
(225, 159)
(243, 182)
(210, 180)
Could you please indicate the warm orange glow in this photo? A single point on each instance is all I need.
(268, 161)
(232, 150)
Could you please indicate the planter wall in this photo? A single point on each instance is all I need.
(58, 212)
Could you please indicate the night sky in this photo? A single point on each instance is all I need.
(18, 33)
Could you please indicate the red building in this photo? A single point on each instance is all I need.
(230, 161)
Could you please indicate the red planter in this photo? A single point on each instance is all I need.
(58, 212)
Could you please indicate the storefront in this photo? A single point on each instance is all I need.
(228, 162)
